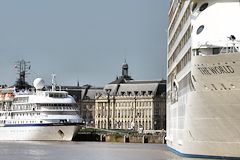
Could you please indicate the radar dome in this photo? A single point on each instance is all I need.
(38, 83)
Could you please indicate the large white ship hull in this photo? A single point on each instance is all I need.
(36, 133)
(209, 123)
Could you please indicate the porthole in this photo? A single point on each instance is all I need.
(194, 6)
(203, 7)
(200, 29)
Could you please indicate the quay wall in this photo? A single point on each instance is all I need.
(135, 138)
(158, 137)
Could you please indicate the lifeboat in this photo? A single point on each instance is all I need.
(2, 97)
(9, 96)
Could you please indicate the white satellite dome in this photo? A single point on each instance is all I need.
(38, 83)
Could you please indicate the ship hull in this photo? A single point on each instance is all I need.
(205, 121)
(37, 133)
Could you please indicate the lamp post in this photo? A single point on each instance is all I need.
(113, 112)
(108, 109)
(134, 112)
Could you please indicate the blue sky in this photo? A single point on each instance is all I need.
(85, 40)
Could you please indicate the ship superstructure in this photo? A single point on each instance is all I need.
(37, 115)
(203, 103)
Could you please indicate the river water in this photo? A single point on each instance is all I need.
(45, 150)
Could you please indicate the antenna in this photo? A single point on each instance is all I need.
(53, 82)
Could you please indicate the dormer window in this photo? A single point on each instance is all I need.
(108, 90)
(143, 93)
(135, 93)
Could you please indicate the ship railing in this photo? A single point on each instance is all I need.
(226, 50)
(231, 47)
(218, 47)
(58, 109)
(25, 93)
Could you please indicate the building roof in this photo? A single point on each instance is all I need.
(91, 93)
(146, 81)
(121, 79)
(136, 88)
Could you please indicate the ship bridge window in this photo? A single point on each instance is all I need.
(200, 29)
(57, 95)
(203, 7)
(20, 100)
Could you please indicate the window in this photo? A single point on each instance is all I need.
(216, 50)
(136, 93)
(200, 29)
(194, 6)
(203, 7)
(57, 95)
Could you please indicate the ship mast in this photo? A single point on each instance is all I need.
(53, 82)
(23, 68)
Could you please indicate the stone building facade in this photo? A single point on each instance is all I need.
(129, 104)
(85, 99)
(87, 104)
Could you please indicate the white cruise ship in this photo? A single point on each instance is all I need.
(38, 115)
(203, 102)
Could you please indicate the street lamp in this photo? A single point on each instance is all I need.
(108, 109)
(134, 112)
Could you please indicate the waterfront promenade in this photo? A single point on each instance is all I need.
(46, 150)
